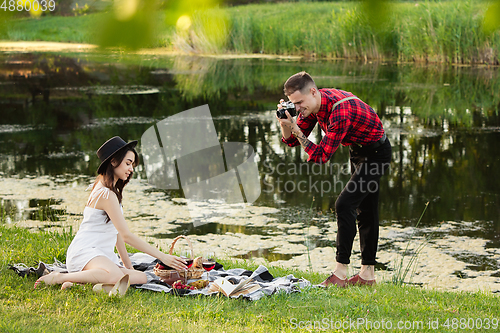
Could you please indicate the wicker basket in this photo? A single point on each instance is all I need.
(193, 272)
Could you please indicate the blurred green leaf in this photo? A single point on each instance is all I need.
(377, 13)
(492, 18)
(207, 32)
(174, 9)
(132, 24)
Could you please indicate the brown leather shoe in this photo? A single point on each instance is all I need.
(357, 280)
(333, 280)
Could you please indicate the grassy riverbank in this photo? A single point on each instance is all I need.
(448, 31)
(80, 310)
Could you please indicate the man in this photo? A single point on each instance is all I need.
(346, 120)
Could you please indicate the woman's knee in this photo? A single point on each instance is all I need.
(115, 277)
(111, 272)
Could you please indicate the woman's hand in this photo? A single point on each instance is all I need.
(176, 263)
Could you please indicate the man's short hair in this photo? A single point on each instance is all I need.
(300, 81)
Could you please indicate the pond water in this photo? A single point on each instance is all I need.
(442, 121)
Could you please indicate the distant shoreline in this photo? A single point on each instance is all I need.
(46, 46)
(41, 46)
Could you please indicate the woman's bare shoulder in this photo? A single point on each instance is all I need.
(103, 197)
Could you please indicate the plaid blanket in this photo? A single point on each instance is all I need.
(144, 262)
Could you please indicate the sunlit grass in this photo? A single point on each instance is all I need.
(447, 31)
(54, 28)
(80, 310)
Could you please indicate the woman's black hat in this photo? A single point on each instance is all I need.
(109, 148)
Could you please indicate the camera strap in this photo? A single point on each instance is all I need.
(342, 101)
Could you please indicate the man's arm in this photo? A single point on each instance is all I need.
(304, 142)
(322, 152)
(286, 131)
(303, 126)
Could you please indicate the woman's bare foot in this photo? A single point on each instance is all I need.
(66, 285)
(49, 279)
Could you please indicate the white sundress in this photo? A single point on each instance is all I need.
(96, 237)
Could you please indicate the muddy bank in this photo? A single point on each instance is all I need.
(447, 261)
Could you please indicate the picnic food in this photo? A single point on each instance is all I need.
(199, 284)
(179, 285)
(195, 270)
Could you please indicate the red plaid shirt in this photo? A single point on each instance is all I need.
(352, 122)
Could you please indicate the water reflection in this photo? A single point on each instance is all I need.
(30, 209)
(218, 229)
(442, 121)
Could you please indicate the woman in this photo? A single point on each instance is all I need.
(91, 257)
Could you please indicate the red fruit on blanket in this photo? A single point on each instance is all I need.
(179, 285)
(200, 284)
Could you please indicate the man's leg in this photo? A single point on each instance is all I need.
(377, 165)
(345, 207)
(368, 226)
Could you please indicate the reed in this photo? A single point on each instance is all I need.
(402, 270)
(428, 31)
(308, 238)
(3, 214)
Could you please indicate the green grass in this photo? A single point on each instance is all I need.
(447, 31)
(54, 29)
(47, 309)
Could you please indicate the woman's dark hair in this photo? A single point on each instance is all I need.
(108, 177)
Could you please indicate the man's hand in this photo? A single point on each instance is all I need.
(288, 125)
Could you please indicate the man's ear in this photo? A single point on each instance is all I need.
(313, 91)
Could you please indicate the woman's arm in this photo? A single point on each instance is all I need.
(112, 208)
(122, 251)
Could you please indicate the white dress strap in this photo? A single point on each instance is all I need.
(101, 192)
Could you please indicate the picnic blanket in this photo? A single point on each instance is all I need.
(144, 262)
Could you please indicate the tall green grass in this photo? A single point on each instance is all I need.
(448, 31)
(425, 31)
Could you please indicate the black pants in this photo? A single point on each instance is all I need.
(359, 200)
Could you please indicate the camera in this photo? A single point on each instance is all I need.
(287, 106)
